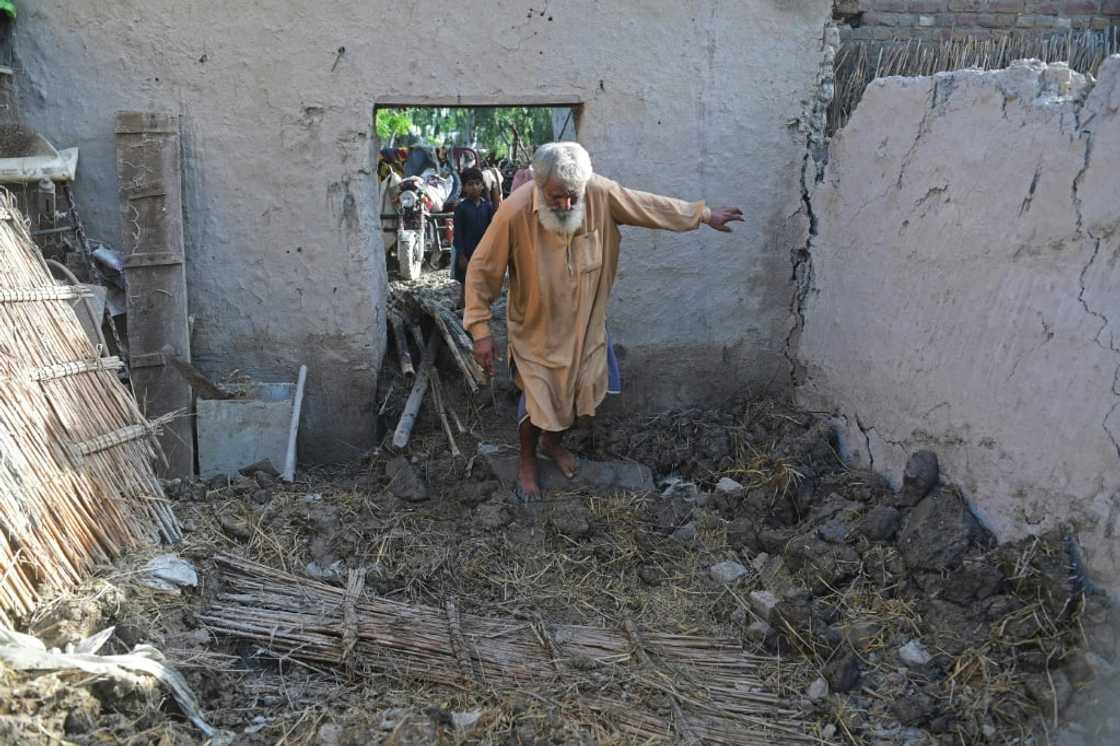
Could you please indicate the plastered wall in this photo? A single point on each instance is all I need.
(284, 259)
(963, 293)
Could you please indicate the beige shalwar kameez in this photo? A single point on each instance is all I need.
(558, 291)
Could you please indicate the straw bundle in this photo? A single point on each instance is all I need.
(76, 479)
(702, 688)
(860, 62)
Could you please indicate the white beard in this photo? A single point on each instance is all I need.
(564, 222)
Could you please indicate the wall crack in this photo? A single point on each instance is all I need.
(814, 125)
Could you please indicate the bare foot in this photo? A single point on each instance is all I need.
(528, 487)
(565, 459)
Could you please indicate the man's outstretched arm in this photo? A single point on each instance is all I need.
(647, 210)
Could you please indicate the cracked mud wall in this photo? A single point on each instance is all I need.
(284, 258)
(964, 293)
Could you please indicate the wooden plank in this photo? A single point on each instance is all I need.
(480, 102)
(152, 259)
(150, 175)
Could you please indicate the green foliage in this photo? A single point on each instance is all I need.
(489, 129)
(9, 7)
(393, 122)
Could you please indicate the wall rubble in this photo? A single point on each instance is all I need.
(964, 292)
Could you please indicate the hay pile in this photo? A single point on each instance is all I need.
(76, 481)
(859, 62)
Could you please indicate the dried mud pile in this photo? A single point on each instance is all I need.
(897, 619)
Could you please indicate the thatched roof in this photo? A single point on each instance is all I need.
(77, 484)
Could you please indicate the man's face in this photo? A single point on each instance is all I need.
(558, 197)
(562, 211)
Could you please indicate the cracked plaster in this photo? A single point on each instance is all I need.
(964, 279)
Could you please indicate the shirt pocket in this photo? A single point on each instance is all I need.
(588, 251)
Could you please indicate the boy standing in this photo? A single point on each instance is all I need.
(472, 218)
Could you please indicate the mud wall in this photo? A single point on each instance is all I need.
(963, 292)
(285, 263)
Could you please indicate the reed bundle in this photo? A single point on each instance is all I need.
(76, 480)
(859, 62)
(647, 684)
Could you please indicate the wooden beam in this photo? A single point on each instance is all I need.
(480, 102)
(150, 174)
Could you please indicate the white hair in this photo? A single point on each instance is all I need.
(567, 161)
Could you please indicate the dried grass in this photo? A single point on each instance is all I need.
(77, 485)
(859, 62)
(710, 684)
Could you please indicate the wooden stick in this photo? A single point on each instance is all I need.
(297, 405)
(455, 324)
(416, 396)
(403, 354)
(388, 395)
(437, 391)
(193, 376)
(457, 354)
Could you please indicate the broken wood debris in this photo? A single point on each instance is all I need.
(434, 299)
(712, 681)
(416, 396)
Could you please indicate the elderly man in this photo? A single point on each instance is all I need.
(559, 240)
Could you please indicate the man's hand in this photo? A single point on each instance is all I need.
(721, 217)
(484, 354)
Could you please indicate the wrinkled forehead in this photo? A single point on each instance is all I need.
(555, 188)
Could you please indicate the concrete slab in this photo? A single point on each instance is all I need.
(593, 475)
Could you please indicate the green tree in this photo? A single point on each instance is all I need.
(492, 129)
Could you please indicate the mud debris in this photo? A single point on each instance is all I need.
(832, 568)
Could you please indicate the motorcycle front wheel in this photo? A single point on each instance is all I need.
(410, 254)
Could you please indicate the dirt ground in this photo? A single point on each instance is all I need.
(890, 617)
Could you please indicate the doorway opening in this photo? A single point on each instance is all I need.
(423, 151)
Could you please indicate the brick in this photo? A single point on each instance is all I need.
(1060, 22)
(995, 20)
(1006, 6)
(965, 20)
(1099, 23)
(1026, 21)
(1080, 7)
(1044, 8)
(1110, 7)
(927, 21)
(1081, 22)
(889, 19)
(892, 6)
(928, 6)
(968, 6)
(872, 33)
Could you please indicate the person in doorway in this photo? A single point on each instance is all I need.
(472, 217)
(559, 239)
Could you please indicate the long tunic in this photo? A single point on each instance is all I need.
(558, 291)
